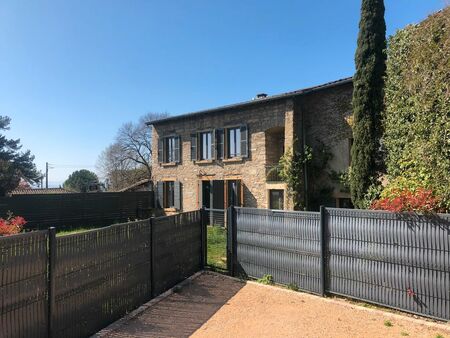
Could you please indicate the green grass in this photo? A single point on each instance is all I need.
(217, 247)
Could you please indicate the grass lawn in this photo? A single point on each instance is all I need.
(72, 231)
(217, 247)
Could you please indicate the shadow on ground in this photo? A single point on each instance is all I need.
(185, 311)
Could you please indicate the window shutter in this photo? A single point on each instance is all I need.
(160, 195)
(213, 144)
(177, 195)
(160, 150)
(193, 147)
(200, 194)
(244, 141)
(177, 149)
(220, 143)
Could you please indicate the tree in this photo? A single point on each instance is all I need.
(80, 180)
(367, 103)
(128, 159)
(14, 164)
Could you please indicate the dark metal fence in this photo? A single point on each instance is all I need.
(23, 285)
(396, 260)
(79, 209)
(180, 257)
(215, 217)
(74, 285)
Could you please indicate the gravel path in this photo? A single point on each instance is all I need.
(213, 305)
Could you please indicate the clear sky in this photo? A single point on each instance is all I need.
(71, 72)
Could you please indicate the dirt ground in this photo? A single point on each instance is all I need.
(214, 305)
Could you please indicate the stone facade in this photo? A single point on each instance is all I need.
(319, 113)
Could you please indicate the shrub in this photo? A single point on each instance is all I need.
(420, 200)
(11, 225)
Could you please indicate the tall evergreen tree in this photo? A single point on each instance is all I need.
(370, 62)
(15, 164)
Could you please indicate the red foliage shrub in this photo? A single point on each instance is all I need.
(421, 200)
(12, 225)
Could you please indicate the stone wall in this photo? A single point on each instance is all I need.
(325, 116)
(316, 117)
(251, 170)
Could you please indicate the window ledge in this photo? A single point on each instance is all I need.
(170, 209)
(233, 159)
(169, 164)
(204, 162)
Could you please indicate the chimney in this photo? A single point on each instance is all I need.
(260, 96)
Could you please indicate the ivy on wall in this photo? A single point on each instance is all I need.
(416, 120)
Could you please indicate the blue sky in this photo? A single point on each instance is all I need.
(71, 72)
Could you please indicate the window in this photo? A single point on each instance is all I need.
(168, 194)
(206, 146)
(344, 203)
(234, 142)
(219, 144)
(276, 199)
(169, 149)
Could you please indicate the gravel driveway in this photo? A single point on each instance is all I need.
(214, 305)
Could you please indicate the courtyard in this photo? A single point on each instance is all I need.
(214, 305)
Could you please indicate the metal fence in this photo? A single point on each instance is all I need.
(74, 285)
(215, 217)
(78, 209)
(396, 260)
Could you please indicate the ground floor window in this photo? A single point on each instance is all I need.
(344, 203)
(276, 199)
(168, 194)
(169, 200)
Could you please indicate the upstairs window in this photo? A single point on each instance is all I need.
(206, 145)
(220, 144)
(234, 142)
(169, 149)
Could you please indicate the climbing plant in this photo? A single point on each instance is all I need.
(417, 116)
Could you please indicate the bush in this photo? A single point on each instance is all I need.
(11, 225)
(403, 195)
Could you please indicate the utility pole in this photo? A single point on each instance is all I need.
(46, 175)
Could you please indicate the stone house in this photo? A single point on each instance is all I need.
(229, 155)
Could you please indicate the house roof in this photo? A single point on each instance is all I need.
(255, 101)
(134, 185)
(39, 191)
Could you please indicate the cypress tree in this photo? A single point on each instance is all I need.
(367, 103)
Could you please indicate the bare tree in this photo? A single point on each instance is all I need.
(128, 159)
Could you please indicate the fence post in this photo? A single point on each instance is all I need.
(51, 279)
(231, 241)
(204, 238)
(152, 255)
(322, 248)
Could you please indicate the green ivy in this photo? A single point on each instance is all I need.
(291, 171)
(416, 120)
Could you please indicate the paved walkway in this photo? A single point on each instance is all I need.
(214, 305)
